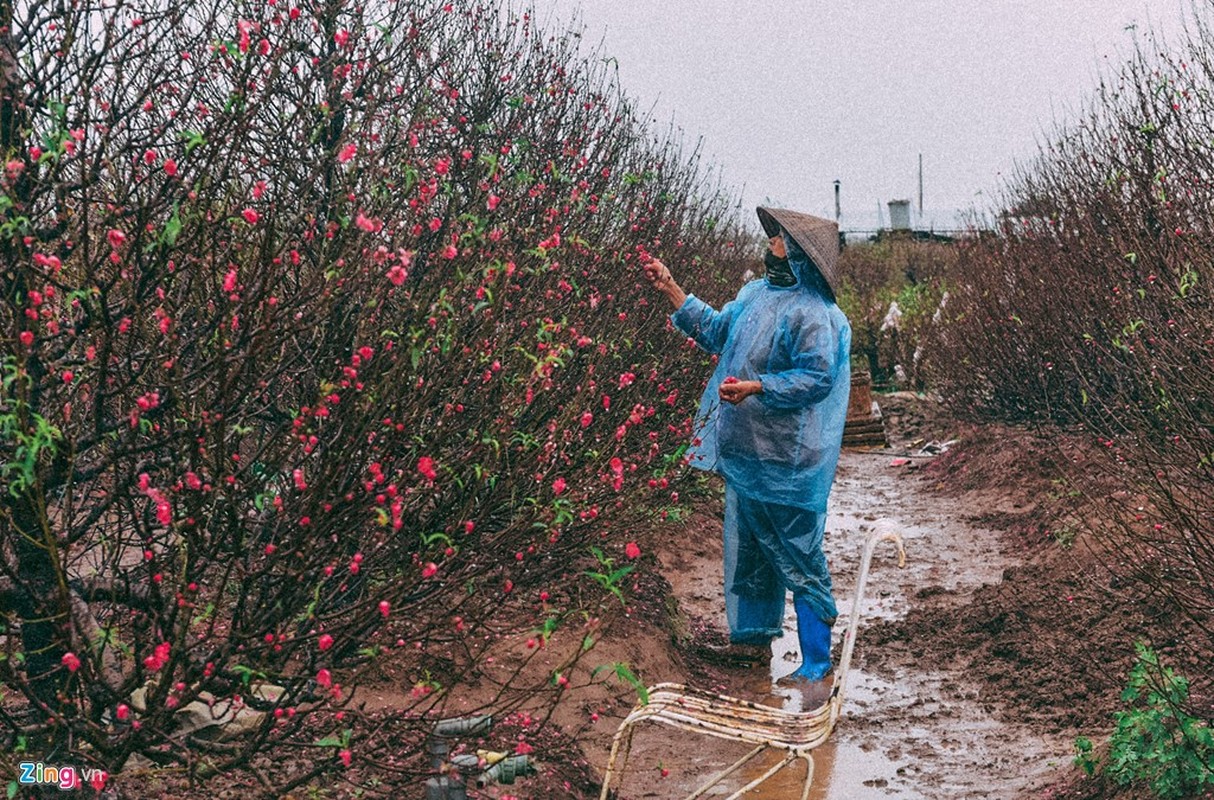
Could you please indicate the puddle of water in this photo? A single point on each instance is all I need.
(841, 772)
(843, 769)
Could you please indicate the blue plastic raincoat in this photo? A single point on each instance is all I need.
(782, 445)
(777, 450)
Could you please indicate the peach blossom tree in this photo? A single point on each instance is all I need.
(324, 343)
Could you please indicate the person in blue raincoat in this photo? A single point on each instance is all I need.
(771, 423)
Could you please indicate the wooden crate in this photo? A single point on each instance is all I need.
(864, 427)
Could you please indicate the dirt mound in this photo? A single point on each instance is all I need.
(1050, 646)
(1053, 641)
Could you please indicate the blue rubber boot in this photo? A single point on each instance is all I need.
(814, 636)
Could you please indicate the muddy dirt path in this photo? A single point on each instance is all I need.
(911, 729)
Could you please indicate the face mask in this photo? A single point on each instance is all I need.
(779, 273)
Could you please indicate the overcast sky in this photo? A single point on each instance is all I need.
(789, 96)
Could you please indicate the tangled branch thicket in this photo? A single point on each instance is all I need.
(1092, 309)
(323, 334)
(892, 292)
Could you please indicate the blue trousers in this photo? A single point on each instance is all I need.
(772, 549)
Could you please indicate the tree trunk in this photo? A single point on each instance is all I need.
(43, 620)
(43, 617)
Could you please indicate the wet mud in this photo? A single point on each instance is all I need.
(912, 725)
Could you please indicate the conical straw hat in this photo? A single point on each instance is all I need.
(818, 237)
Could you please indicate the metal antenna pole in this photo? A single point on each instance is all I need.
(920, 187)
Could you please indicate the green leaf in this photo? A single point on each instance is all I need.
(438, 537)
(625, 674)
(172, 229)
(615, 577)
(247, 674)
(192, 139)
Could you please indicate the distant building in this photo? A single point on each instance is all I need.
(900, 215)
